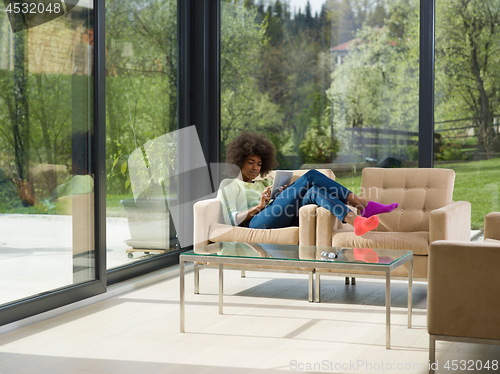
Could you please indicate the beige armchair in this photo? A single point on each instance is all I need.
(209, 227)
(426, 213)
(463, 289)
(209, 224)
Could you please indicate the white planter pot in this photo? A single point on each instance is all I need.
(149, 223)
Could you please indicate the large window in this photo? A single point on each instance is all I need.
(46, 163)
(332, 83)
(141, 115)
(467, 104)
(329, 82)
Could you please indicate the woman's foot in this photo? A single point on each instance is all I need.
(374, 208)
(363, 225)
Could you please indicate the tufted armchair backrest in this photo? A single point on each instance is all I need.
(417, 191)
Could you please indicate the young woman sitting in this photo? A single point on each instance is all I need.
(248, 203)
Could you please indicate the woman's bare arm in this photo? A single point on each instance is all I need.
(248, 215)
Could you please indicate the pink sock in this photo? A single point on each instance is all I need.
(363, 225)
(374, 208)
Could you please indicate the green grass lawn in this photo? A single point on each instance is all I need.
(475, 181)
(113, 207)
(478, 183)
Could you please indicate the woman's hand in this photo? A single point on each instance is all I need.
(265, 196)
(282, 188)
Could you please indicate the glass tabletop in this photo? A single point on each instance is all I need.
(301, 253)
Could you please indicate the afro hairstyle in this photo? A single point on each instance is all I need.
(247, 144)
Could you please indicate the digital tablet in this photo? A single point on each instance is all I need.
(281, 178)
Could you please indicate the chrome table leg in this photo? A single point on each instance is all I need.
(311, 287)
(196, 279)
(317, 290)
(432, 353)
(182, 300)
(388, 310)
(410, 292)
(221, 267)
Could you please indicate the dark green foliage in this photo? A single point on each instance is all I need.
(468, 65)
(141, 80)
(452, 151)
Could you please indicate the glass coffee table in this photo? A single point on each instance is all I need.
(300, 256)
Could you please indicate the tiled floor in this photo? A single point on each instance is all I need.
(268, 326)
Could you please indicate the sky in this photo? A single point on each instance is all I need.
(315, 5)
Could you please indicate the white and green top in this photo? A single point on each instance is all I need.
(238, 196)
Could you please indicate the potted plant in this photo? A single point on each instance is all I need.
(150, 225)
(151, 175)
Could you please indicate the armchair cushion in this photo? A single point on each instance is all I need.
(220, 232)
(418, 242)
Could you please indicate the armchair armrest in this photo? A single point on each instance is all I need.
(326, 222)
(451, 222)
(307, 224)
(206, 212)
(492, 226)
(463, 289)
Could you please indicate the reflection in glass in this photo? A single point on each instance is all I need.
(46, 169)
(328, 82)
(285, 252)
(467, 113)
(141, 105)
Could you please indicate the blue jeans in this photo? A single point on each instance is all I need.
(311, 188)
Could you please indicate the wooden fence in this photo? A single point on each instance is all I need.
(374, 144)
